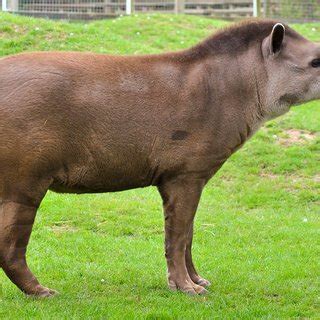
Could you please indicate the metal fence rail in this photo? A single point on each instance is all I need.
(219, 8)
(70, 9)
(291, 10)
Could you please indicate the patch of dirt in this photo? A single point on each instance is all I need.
(61, 37)
(273, 296)
(269, 175)
(13, 30)
(63, 228)
(316, 178)
(295, 136)
(226, 177)
(293, 179)
(18, 29)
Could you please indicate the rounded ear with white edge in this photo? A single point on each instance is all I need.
(277, 37)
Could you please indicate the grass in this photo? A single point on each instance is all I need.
(257, 227)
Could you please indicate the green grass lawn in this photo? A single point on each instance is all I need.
(257, 234)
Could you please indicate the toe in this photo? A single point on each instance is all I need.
(189, 291)
(43, 292)
(53, 292)
(200, 290)
(203, 282)
(172, 286)
(187, 287)
(47, 293)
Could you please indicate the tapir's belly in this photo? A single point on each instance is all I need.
(104, 186)
(107, 172)
(110, 184)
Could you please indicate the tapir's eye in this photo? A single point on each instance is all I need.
(315, 63)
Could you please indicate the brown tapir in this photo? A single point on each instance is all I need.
(82, 122)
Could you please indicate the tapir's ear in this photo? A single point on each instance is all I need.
(277, 37)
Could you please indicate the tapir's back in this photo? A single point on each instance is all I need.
(87, 89)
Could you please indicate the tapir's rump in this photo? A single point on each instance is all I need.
(83, 122)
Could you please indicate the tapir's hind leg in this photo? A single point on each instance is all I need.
(16, 221)
(190, 266)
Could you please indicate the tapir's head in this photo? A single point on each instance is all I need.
(292, 66)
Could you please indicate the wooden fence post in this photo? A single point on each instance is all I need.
(4, 5)
(178, 6)
(256, 8)
(14, 7)
(129, 6)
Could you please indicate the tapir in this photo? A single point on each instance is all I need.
(89, 123)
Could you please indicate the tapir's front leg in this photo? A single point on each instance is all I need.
(190, 266)
(180, 199)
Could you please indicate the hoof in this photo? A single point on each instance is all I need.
(42, 292)
(172, 286)
(202, 291)
(192, 290)
(196, 290)
(48, 293)
(204, 283)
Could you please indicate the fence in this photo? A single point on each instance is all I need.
(86, 9)
(293, 10)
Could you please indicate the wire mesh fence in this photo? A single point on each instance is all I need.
(85, 9)
(290, 10)
(293, 10)
(154, 6)
(68, 9)
(222, 9)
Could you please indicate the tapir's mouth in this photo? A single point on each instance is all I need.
(314, 91)
(290, 99)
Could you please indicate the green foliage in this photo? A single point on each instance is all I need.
(257, 227)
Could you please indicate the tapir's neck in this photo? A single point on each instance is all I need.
(238, 84)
